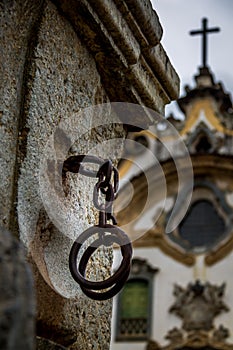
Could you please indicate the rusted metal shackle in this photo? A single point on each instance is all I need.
(117, 280)
(73, 164)
(107, 234)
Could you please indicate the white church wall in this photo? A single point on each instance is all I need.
(170, 272)
(219, 273)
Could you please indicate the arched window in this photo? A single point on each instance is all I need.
(206, 223)
(134, 304)
(203, 225)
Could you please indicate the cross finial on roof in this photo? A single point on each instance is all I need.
(204, 31)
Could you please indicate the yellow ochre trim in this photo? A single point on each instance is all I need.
(204, 105)
(127, 163)
(125, 167)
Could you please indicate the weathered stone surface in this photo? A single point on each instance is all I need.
(147, 19)
(160, 63)
(59, 58)
(45, 344)
(17, 299)
(18, 20)
(100, 25)
(118, 28)
(63, 80)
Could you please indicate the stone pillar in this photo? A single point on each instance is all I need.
(17, 301)
(60, 59)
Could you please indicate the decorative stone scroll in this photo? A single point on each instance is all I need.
(197, 305)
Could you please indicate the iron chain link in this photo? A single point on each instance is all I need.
(104, 194)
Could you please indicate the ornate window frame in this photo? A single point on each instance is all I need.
(140, 271)
(205, 191)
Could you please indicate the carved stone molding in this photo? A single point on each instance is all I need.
(179, 339)
(152, 345)
(141, 267)
(122, 36)
(198, 304)
(198, 339)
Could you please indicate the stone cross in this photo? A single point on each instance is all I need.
(204, 31)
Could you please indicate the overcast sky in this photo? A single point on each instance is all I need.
(178, 17)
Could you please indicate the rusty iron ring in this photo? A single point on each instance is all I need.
(117, 276)
(103, 294)
(117, 236)
(110, 293)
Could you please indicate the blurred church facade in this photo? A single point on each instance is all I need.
(180, 291)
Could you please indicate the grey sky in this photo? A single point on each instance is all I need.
(178, 17)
